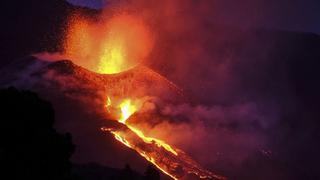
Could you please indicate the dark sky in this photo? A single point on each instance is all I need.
(90, 3)
(296, 15)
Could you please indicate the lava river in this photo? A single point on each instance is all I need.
(170, 160)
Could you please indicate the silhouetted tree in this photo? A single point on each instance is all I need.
(30, 148)
(151, 173)
(127, 173)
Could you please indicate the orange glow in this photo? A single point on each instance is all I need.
(107, 45)
(108, 104)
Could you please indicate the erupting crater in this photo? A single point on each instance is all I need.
(107, 45)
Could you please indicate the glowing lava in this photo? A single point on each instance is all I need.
(127, 109)
(171, 161)
(107, 45)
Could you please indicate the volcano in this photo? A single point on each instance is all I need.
(137, 82)
(64, 80)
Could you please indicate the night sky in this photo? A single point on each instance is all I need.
(89, 3)
(294, 15)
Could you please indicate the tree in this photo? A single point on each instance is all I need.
(151, 173)
(30, 148)
(127, 173)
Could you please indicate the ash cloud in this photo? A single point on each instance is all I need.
(245, 85)
(272, 14)
(216, 136)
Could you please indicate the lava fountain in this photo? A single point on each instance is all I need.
(170, 160)
(107, 45)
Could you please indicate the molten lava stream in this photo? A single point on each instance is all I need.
(171, 161)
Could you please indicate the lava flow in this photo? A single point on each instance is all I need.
(171, 161)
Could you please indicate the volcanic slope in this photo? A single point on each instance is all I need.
(73, 80)
(78, 97)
